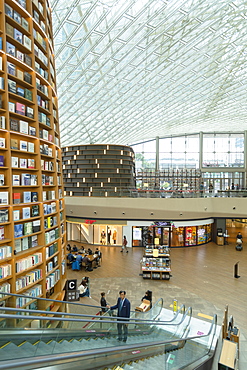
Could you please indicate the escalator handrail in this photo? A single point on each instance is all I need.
(113, 318)
(59, 301)
(94, 318)
(47, 359)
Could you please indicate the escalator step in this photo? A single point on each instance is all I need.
(34, 344)
(4, 345)
(49, 341)
(21, 344)
(71, 340)
(60, 341)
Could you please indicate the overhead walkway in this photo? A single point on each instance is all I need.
(74, 341)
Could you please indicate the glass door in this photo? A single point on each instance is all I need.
(166, 236)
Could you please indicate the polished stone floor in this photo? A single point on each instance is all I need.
(202, 277)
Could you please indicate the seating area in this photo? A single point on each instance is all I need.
(79, 258)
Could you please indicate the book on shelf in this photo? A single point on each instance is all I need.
(1, 63)
(12, 86)
(31, 163)
(18, 36)
(23, 145)
(18, 230)
(25, 244)
(16, 198)
(33, 180)
(36, 15)
(1, 232)
(14, 162)
(14, 144)
(25, 24)
(10, 49)
(45, 134)
(26, 212)
(28, 77)
(34, 196)
(2, 83)
(1, 161)
(19, 74)
(23, 163)
(29, 112)
(32, 131)
(8, 10)
(18, 245)
(16, 215)
(35, 210)
(11, 107)
(2, 142)
(4, 215)
(16, 180)
(19, 55)
(27, 42)
(5, 251)
(36, 226)
(34, 241)
(2, 120)
(1, 101)
(44, 196)
(20, 91)
(4, 197)
(51, 194)
(11, 69)
(5, 270)
(23, 127)
(27, 228)
(28, 94)
(2, 181)
(26, 179)
(9, 30)
(14, 124)
(27, 60)
(20, 108)
(30, 147)
(17, 17)
(27, 197)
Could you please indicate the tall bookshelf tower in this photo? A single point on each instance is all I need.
(32, 216)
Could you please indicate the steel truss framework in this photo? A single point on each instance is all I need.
(130, 70)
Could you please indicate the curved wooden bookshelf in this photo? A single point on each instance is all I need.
(30, 146)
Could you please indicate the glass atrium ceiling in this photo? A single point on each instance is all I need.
(130, 70)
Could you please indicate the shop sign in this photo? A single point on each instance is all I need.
(90, 222)
(162, 223)
(137, 234)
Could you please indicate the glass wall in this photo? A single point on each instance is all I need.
(218, 150)
(223, 180)
(145, 154)
(177, 152)
(223, 150)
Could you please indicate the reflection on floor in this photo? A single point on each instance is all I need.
(202, 277)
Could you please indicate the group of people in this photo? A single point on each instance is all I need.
(79, 256)
(123, 311)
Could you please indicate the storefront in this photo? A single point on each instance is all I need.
(172, 234)
(107, 234)
(101, 232)
(159, 233)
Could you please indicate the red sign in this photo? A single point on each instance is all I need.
(90, 222)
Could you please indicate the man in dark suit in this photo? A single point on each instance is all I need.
(123, 307)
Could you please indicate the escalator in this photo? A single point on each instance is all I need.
(92, 340)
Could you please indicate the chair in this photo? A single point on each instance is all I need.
(75, 265)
